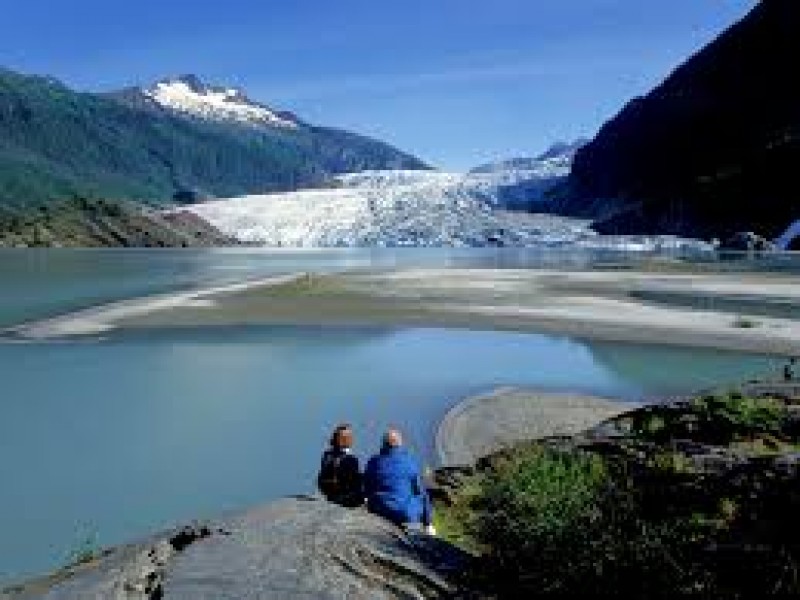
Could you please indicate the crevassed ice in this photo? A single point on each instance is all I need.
(398, 208)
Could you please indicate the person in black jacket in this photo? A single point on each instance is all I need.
(339, 477)
(790, 370)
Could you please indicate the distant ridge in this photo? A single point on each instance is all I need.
(556, 161)
(526, 183)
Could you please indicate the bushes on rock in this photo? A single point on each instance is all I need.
(713, 419)
(696, 498)
(732, 417)
(563, 523)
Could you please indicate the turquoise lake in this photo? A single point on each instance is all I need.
(108, 440)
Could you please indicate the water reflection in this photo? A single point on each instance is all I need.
(153, 427)
(670, 370)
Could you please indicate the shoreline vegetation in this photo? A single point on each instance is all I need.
(695, 497)
(743, 311)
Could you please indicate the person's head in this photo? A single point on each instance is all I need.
(392, 439)
(342, 437)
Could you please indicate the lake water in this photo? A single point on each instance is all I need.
(113, 439)
(37, 282)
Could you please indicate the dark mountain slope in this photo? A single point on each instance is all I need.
(711, 151)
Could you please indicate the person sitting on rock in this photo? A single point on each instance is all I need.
(339, 477)
(790, 370)
(393, 485)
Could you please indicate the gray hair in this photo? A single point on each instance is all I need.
(392, 438)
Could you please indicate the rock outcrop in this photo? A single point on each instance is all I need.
(748, 241)
(299, 547)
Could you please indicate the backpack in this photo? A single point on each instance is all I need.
(328, 480)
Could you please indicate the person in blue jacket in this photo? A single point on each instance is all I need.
(393, 485)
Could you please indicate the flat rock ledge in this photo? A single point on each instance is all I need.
(301, 547)
(485, 424)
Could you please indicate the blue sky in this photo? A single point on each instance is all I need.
(457, 82)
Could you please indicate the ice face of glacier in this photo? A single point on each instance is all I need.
(188, 95)
(401, 208)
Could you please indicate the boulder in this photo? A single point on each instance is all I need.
(748, 241)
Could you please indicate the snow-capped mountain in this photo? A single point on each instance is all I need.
(398, 208)
(504, 184)
(189, 95)
(554, 163)
(524, 183)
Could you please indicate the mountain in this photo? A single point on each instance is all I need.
(525, 183)
(556, 161)
(712, 150)
(179, 138)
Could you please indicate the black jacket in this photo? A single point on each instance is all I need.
(340, 479)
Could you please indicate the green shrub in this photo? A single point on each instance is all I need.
(457, 522)
(560, 523)
(668, 461)
(745, 323)
(726, 418)
(713, 419)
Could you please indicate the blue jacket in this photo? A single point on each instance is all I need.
(394, 488)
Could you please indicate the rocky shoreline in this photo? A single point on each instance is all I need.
(304, 546)
(694, 496)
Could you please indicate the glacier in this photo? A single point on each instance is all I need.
(376, 208)
(405, 208)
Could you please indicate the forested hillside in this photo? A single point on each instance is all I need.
(56, 143)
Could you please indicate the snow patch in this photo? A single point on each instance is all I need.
(213, 103)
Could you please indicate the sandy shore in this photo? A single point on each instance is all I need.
(484, 424)
(591, 304)
(100, 319)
